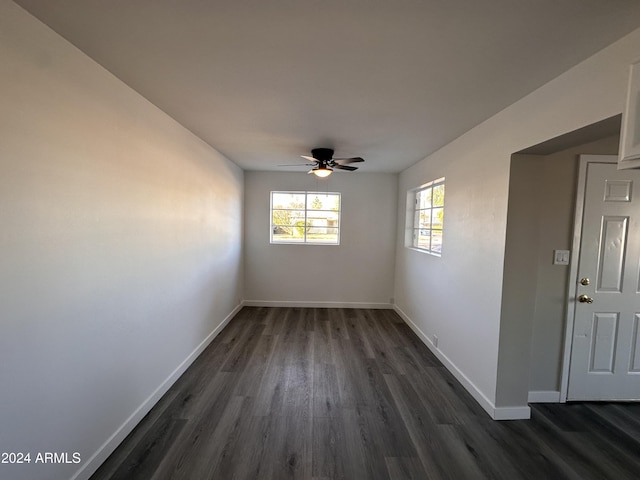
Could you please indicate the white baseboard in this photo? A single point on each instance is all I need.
(310, 304)
(544, 396)
(496, 413)
(511, 413)
(107, 448)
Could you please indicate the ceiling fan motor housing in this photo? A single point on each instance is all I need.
(322, 154)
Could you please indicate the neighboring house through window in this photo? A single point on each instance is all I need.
(428, 217)
(305, 218)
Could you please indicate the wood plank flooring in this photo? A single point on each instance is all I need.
(353, 394)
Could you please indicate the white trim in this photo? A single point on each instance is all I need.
(107, 448)
(544, 396)
(422, 250)
(496, 413)
(312, 304)
(512, 413)
(306, 210)
(573, 264)
(629, 156)
(412, 198)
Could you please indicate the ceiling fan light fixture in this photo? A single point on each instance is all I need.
(322, 171)
(324, 163)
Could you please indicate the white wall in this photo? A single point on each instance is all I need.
(519, 277)
(458, 296)
(120, 250)
(358, 272)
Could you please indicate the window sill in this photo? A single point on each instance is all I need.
(306, 244)
(421, 250)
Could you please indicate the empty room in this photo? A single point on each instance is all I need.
(319, 240)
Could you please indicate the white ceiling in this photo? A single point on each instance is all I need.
(264, 81)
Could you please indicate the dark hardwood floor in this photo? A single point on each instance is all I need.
(354, 394)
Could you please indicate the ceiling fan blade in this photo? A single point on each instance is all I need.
(311, 159)
(344, 161)
(297, 165)
(344, 167)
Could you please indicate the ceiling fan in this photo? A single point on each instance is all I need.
(324, 163)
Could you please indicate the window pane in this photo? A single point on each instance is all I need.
(436, 241)
(333, 202)
(286, 238)
(321, 201)
(424, 198)
(424, 239)
(287, 217)
(438, 217)
(301, 228)
(288, 200)
(277, 230)
(322, 235)
(333, 222)
(286, 234)
(438, 195)
(425, 219)
(314, 202)
(322, 217)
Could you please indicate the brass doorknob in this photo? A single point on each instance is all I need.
(585, 299)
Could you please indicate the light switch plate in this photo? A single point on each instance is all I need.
(561, 257)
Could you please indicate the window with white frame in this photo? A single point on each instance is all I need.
(305, 218)
(428, 217)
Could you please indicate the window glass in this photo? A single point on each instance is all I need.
(428, 217)
(305, 217)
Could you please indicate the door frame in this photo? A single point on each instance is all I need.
(572, 286)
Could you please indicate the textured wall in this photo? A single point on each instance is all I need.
(359, 271)
(120, 249)
(458, 296)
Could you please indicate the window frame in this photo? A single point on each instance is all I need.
(307, 194)
(413, 240)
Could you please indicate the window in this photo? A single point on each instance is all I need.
(428, 217)
(305, 217)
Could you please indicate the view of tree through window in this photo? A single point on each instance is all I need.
(305, 217)
(428, 217)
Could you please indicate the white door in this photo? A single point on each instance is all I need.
(605, 353)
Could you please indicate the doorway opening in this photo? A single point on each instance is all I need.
(541, 204)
